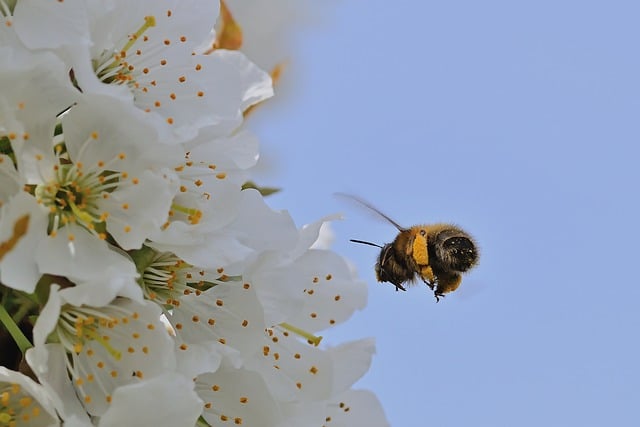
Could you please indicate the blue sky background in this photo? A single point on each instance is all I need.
(520, 122)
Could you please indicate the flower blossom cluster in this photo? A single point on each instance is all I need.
(141, 282)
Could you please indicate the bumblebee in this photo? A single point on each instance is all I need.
(437, 254)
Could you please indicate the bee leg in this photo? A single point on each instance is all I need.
(429, 284)
(438, 296)
(399, 287)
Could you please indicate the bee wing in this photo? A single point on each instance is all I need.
(370, 207)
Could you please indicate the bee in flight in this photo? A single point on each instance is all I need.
(437, 254)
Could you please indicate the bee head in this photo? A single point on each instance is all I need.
(456, 250)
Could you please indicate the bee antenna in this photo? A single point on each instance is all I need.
(365, 243)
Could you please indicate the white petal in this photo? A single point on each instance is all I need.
(227, 313)
(119, 128)
(35, 89)
(48, 361)
(18, 268)
(331, 294)
(262, 228)
(137, 211)
(350, 362)
(356, 408)
(198, 358)
(166, 400)
(254, 84)
(51, 24)
(292, 369)
(100, 272)
(279, 285)
(310, 233)
(47, 321)
(238, 397)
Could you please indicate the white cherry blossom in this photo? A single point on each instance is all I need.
(143, 52)
(23, 402)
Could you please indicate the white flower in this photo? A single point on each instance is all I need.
(23, 402)
(119, 169)
(143, 52)
(107, 347)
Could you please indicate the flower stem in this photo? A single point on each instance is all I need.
(20, 339)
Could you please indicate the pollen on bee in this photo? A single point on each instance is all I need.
(420, 250)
